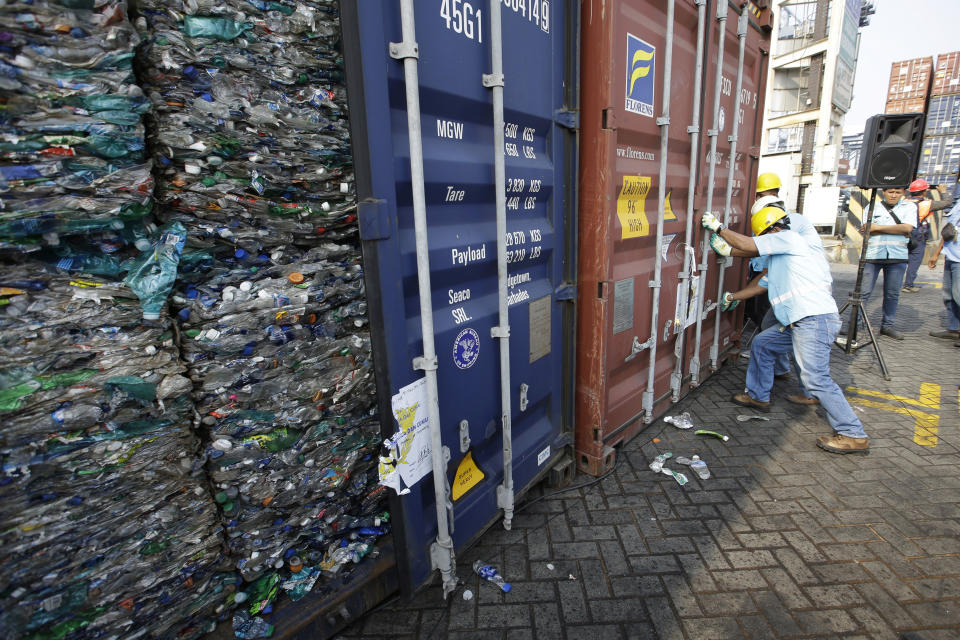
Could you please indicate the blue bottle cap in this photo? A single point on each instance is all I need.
(289, 552)
(184, 314)
(507, 587)
(206, 96)
(240, 254)
(191, 293)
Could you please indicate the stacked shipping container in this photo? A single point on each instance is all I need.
(940, 157)
(909, 85)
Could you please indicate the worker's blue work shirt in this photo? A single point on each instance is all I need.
(798, 279)
(885, 246)
(952, 249)
(802, 226)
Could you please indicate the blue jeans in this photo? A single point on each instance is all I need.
(811, 340)
(892, 281)
(919, 235)
(951, 293)
(783, 360)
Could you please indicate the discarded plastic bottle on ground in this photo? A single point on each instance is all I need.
(489, 573)
(657, 463)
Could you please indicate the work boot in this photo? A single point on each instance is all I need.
(838, 443)
(746, 400)
(890, 332)
(948, 335)
(910, 289)
(799, 398)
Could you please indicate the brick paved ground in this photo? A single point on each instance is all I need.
(783, 541)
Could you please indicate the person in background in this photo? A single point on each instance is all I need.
(799, 284)
(919, 194)
(887, 252)
(951, 276)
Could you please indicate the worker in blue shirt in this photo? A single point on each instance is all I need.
(893, 222)
(799, 284)
(951, 274)
(801, 225)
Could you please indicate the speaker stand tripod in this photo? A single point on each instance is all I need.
(855, 302)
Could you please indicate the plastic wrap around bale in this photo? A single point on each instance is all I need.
(109, 527)
(73, 160)
(252, 151)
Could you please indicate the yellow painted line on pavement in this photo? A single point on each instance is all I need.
(935, 285)
(925, 425)
(929, 395)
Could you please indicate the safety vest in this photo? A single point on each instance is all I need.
(923, 208)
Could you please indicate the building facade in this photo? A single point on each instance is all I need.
(812, 66)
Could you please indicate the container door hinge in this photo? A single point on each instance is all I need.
(563, 439)
(373, 220)
(638, 346)
(403, 50)
(565, 292)
(524, 388)
(567, 118)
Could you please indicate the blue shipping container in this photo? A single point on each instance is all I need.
(939, 155)
(456, 112)
(943, 116)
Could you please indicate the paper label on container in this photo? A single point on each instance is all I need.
(631, 204)
(668, 213)
(409, 449)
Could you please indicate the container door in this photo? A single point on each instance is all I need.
(750, 117)
(624, 45)
(453, 38)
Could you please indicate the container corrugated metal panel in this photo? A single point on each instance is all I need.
(943, 116)
(910, 79)
(939, 155)
(913, 105)
(949, 179)
(946, 77)
(540, 75)
(623, 52)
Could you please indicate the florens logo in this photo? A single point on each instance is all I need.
(641, 61)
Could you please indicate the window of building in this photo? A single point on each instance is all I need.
(784, 139)
(791, 89)
(801, 24)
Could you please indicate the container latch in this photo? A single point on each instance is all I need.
(464, 436)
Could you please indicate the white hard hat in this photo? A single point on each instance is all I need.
(767, 201)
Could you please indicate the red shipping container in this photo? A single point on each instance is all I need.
(910, 79)
(946, 77)
(913, 105)
(647, 317)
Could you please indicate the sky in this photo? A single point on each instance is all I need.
(887, 39)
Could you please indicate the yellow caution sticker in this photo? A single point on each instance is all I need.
(668, 213)
(468, 476)
(631, 206)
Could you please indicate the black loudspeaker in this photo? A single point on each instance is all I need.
(891, 150)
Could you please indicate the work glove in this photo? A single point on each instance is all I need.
(711, 222)
(721, 246)
(727, 302)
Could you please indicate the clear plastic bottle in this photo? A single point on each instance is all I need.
(489, 573)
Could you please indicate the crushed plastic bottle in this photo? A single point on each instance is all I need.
(153, 273)
(682, 421)
(489, 573)
(657, 464)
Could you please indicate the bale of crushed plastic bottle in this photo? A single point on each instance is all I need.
(252, 153)
(109, 526)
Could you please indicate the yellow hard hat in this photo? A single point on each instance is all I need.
(762, 219)
(767, 181)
